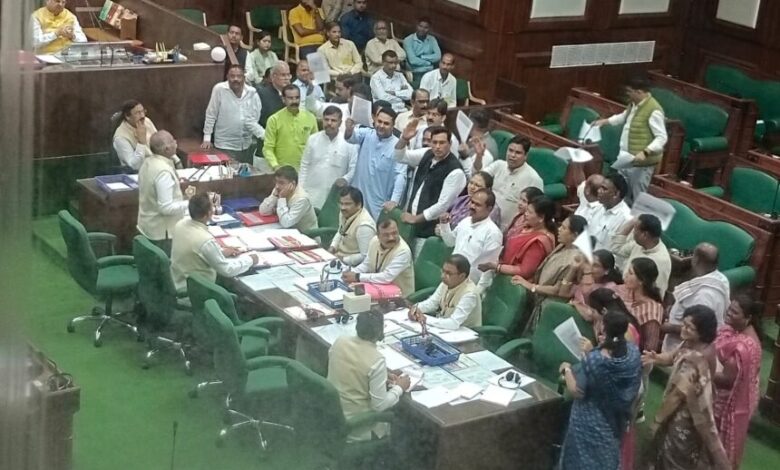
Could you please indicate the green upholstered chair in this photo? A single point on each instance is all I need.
(168, 320)
(427, 268)
(571, 128)
(266, 18)
(106, 278)
(504, 307)
(405, 230)
(327, 218)
(246, 381)
(463, 95)
(543, 352)
(194, 15)
(219, 28)
(502, 138)
(735, 245)
(552, 170)
(320, 423)
(754, 190)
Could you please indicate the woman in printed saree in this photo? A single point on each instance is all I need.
(643, 298)
(736, 386)
(460, 208)
(685, 435)
(526, 246)
(604, 386)
(554, 270)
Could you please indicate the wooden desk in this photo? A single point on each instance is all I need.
(102, 35)
(117, 212)
(467, 436)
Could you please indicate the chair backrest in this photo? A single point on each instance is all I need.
(156, 291)
(427, 266)
(462, 91)
(502, 139)
(548, 351)
(405, 230)
(700, 119)
(734, 82)
(610, 143)
(267, 18)
(201, 289)
(329, 214)
(504, 304)
(754, 190)
(194, 15)
(82, 263)
(316, 410)
(229, 361)
(551, 168)
(577, 115)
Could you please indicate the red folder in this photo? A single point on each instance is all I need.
(250, 219)
(206, 159)
(382, 291)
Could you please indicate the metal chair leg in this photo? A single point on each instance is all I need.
(202, 386)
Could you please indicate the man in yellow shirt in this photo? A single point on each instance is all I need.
(306, 22)
(341, 54)
(55, 28)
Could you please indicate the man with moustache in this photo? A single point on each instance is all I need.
(420, 100)
(234, 36)
(288, 131)
(435, 116)
(232, 117)
(356, 228)
(131, 137)
(304, 80)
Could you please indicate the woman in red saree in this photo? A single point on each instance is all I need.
(736, 386)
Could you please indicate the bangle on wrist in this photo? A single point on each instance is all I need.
(533, 288)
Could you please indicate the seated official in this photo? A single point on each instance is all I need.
(420, 100)
(391, 85)
(356, 228)
(289, 201)
(341, 54)
(461, 208)
(477, 237)
(55, 28)
(306, 22)
(422, 49)
(131, 137)
(288, 130)
(304, 80)
(161, 203)
(196, 251)
(389, 261)
(455, 302)
(359, 372)
(645, 242)
(379, 44)
(441, 83)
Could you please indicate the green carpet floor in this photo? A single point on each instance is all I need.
(127, 413)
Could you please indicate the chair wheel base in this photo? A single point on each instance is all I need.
(188, 368)
(98, 343)
(70, 328)
(192, 393)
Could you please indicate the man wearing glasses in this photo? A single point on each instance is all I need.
(382, 42)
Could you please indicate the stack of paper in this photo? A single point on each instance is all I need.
(217, 231)
(434, 397)
(252, 239)
(273, 258)
(318, 255)
(498, 395)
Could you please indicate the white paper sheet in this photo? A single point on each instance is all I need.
(498, 395)
(468, 390)
(568, 333)
(461, 335)
(257, 281)
(333, 331)
(589, 133)
(488, 360)
(274, 258)
(361, 111)
(48, 59)
(646, 203)
(223, 218)
(415, 374)
(334, 295)
(464, 126)
(252, 239)
(217, 231)
(434, 397)
(393, 359)
(117, 186)
(573, 154)
(623, 160)
(585, 245)
(319, 67)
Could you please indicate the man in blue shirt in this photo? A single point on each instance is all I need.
(377, 175)
(422, 49)
(357, 25)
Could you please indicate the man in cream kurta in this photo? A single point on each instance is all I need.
(389, 261)
(131, 138)
(455, 302)
(289, 202)
(356, 228)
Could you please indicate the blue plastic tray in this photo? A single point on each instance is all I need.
(430, 349)
(241, 204)
(314, 291)
(104, 180)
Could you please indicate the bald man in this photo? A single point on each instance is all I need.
(271, 94)
(588, 194)
(161, 202)
(708, 287)
(441, 83)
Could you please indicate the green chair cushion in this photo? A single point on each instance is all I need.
(266, 380)
(714, 191)
(554, 128)
(734, 82)
(577, 115)
(742, 276)
(405, 230)
(502, 139)
(117, 279)
(754, 190)
(700, 119)
(556, 191)
(547, 350)
(252, 346)
(461, 90)
(266, 17)
(772, 124)
(552, 170)
(610, 143)
(709, 144)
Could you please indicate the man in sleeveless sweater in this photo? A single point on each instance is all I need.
(389, 261)
(196, 251)
(356, 228)
(289, 201)
(455, 302)
(359, 372)
(131, 138)
(55, 28)
(643, 136)
(161, 202)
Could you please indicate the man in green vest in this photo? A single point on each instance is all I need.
(455, 302)
(643, 136)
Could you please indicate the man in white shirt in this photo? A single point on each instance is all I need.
(327, 159)
(161, 202)
(441, 83)
(390, 85)
(356, 228)
(476, 237)
(388, 261)
(588, 195)
(289, 201)
(435, 116)
(232, 117)
(438, 181)
(455, 302)
(420, 100)
(709, 287)
(304, 80)
(379, 44)
(612, 212)
(131, 137)
(55, 28)
(359, 372)
(644, 135)
(645, 243)
(196, 251)
(510, 177)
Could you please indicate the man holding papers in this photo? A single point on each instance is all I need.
(289, 202)
(356, 228)
(455, 302)
(359, 372)
(196, 251)
(643, 136)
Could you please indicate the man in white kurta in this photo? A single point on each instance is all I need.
(441, 83)
(612, 212)
(455, 302)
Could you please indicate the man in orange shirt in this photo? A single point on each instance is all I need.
(306, 22)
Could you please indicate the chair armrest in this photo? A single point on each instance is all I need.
(741, 276)
(369, 417)
(263, 362)
(268, 323)
(554, 128)
(488, 330)
(115, 260)
(102, 237)
(522, 345)
(772, 124)
(709, 144)
(320, 231)
(714, 191)
(252, 330)
(420, 295)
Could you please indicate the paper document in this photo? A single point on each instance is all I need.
(330, 333)
(488, 360)
(498, 395)
(361, 112)
(252, 239)
(645, 203)
(585, 245)
(568, 333)
(464, 126)
(335, 295)
(256, 282)
(274, 258)
(624, 160)
(573, 154)
(467, 390)
(393, 359)
(434, 397)
(415, 375)
(48, 59)
(217, 231)
(589, 133)
(461, 335)
(319, 68)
